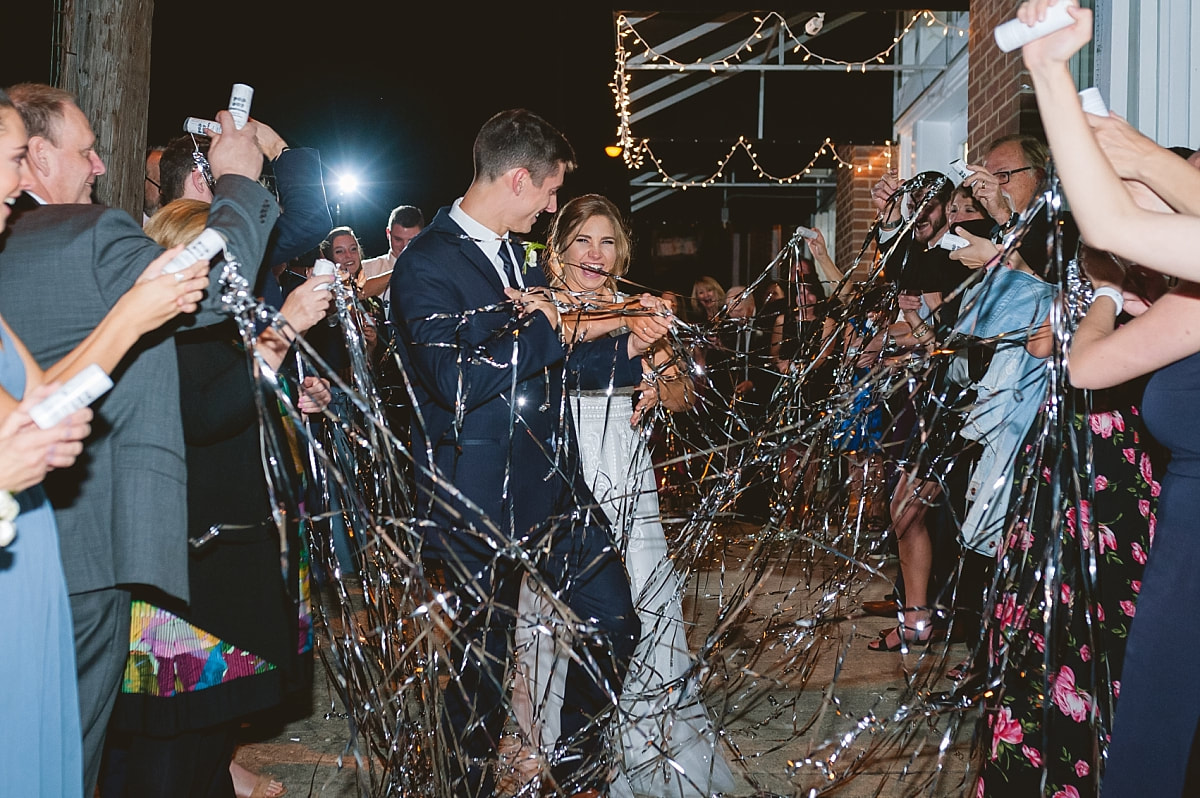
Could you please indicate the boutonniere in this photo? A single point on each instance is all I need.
(9, 510)
(531, 255)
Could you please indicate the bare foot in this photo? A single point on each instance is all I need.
(253, 785)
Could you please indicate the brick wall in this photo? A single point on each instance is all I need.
(855, 211)
(996, 106)
(996, 103)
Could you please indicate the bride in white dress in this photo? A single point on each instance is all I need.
(667, 742)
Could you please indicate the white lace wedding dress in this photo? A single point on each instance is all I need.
(668, 744)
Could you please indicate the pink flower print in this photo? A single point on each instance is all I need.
(1082, 768)
(1009, 613)
(1085, 512)
(1146, 468)
(1128, 608)
(1108, 541)
(1144, 507)
(1116, 690)
(1134, 410)
(1118, 422)
(1085, 653)
(1136, 585)
(1066, 594)
(979, 791)
(1066, 792)
(1101, 482)
(1005, 730)
(1039, 642)
(1101, 424)
(1139, 554)
(1130, 455)
(1100, 612)
(1155, 488)
(1033, 755)
(1151, 524)
(1024, 537)
(1072, 702)
(1045, 474)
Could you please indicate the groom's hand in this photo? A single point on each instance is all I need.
(532, 301)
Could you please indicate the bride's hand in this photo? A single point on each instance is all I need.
(647, 396)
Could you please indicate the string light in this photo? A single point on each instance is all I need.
(637, 151)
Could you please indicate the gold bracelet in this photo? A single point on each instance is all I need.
(921, 330)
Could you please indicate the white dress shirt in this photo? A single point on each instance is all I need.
(489, 243)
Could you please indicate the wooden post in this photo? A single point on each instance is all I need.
(104, 59)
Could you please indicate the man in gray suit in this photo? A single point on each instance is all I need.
(121, 510)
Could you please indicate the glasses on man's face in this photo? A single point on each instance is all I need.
(1003, 177)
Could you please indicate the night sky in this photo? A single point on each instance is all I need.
(395, 92)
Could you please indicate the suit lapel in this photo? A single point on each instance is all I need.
(475, 256)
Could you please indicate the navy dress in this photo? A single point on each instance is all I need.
(40, 740)
(1160, 695)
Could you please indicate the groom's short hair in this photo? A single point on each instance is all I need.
(521, 138)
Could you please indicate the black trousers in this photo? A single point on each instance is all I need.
(580, 565)
(193, 764)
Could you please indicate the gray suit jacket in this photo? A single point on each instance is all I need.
(122, 509)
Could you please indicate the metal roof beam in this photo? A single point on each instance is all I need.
(662, 83)
(722, 73)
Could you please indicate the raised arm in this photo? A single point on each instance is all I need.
(304, 220)
(1135, 157)
(1107, 216)
(827, 270)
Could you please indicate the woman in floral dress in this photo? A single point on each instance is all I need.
(1060, 665)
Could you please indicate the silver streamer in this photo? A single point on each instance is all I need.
(758, 624)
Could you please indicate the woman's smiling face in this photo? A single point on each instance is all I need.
(591, 256)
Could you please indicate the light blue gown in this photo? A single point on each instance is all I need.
(40, 739)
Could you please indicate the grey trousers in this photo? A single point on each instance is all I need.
(101, 619)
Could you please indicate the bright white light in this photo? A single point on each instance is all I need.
(347, 184)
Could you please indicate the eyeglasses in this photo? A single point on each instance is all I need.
(1003, 177)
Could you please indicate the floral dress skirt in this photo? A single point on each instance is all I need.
(1060, 656)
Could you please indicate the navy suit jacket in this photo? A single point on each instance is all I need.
(493, 436)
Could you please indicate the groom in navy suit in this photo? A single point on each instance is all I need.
(499, 481)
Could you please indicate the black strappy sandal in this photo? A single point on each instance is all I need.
(903, 637)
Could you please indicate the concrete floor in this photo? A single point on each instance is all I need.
(781, 705)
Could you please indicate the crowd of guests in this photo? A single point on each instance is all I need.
(1021, 460)
(1024, 472)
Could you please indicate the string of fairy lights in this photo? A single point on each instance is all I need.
(636, 152)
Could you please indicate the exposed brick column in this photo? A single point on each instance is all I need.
(855, 210)
(996, 105)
